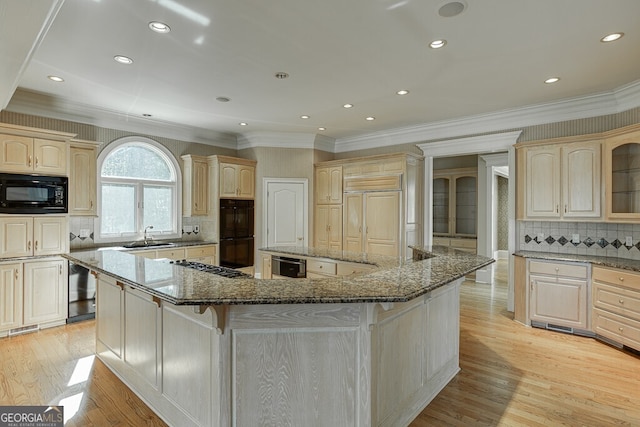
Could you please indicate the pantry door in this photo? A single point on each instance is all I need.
(286, 219)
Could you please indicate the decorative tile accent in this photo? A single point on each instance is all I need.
(616, 244)
(562, 240)
(73, 236)
(589, 242)
(602, 243)
(550, 240)
(528, 239)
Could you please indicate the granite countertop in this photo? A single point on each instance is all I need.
(164, 244)
(394, 279)
(603, 261)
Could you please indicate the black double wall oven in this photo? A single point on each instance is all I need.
(236, 233)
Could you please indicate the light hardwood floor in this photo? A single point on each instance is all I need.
(511, 375)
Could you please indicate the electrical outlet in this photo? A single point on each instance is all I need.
(187, 228)
(628, 241)
(575, 238)
(540, 236)
(84, 232)
(196, 228)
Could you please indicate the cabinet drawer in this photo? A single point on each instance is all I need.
(323, 267)
(200, 251)
(347, 269)
(557, 269)
(617, 299)
(177, 253)
(617, 277)
(463, 243)
(441, 241)
(620, 329)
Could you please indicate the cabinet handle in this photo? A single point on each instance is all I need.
(360, 229)
(556, 208)
(565, 208)
(29, 245)
(30, 160)
(17, 274)
(35, 246)
(60, 269)
(36, 161)
(91, 204)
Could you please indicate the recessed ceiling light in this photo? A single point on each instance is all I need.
(348, 105)
(402, 92)
(159, 27)
(123, 59)
(611, 37)
(370, 118)
(242, 124)
(223, 99)
(304, 116)
(55, 78)
(437, 44)
(281, 75)
(321, 128)
(552, 80)
(451, 9)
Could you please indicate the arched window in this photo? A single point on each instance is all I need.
(138, 188)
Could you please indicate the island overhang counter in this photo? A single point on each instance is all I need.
(363, 350)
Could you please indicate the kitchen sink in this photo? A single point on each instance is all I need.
(146, 245)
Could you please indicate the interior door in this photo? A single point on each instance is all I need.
(286, 214)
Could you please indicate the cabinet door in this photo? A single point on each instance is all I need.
(45, 291)
(622, 169)
(246, 181)
(353, 222)
(382, 222)
(200, 189)
(50, 235)
(581, 180)
(82, 181)
(542, 182)
(228, 184)
(142, 334)
(10, 296)
(17, 233)
(466, 205)
(50, 157)
(321, 229)
(174, 254)
(16, 154)
(109, 315)
(441, 208)
(559, 301)
(329, 184)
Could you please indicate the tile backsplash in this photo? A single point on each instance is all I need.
(81, 230)
(581, 238)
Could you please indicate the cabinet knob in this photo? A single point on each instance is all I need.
(621, 279)
(621, 301)
(557, 269)
(621, 329)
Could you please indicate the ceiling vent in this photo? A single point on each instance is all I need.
(451, 9)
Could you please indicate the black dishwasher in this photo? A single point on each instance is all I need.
(82, 293)
(288, 267)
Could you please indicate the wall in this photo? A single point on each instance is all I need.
(105, 136)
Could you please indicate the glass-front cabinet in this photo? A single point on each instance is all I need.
(455, 202)
(622, 162)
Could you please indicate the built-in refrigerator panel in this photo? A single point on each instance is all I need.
(236, 233)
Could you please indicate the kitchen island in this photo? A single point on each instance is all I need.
(204, 350)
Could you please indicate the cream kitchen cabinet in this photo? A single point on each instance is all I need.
(328, 227)
(34, 294)
(267, 272)
(561, 181)
(29, 236)
(328, 185)
(10, 296)
(237, 181)
(195, 186)
(172, 253)
(372, 222)
(558, 294)
(616, 306)
(109, 317)
(205, 254)
(622, 172)
(22, 154)
(82, 178)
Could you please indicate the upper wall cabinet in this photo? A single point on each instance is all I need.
(328, 184)
(622, 171)
(195, 185)
(30, 150)
(82, 178)
(455, 202)
(559, 181)
(237, 178)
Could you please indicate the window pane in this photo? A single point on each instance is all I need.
(158, 207)
(118, 208)
(135, 161)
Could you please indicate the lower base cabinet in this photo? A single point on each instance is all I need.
(33, 295)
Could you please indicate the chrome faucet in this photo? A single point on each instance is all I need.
(146, 240)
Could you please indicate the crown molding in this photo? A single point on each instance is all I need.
(497, 142)
(285, 140)
(37, 104)
(622, 99)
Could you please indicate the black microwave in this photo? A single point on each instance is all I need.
(33, 194)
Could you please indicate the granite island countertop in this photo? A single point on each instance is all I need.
(603, 261)
(393, 280)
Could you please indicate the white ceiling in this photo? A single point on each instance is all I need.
(497, 56)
